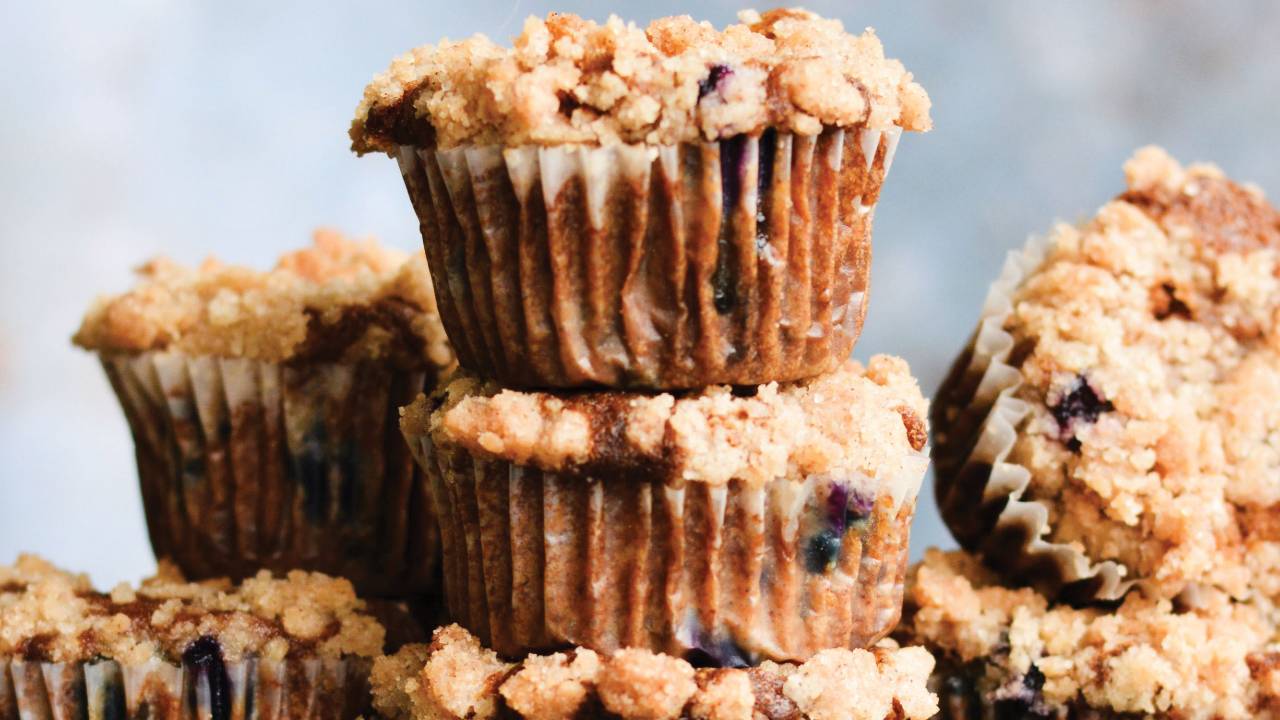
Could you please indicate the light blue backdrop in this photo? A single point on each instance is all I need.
(142, 127)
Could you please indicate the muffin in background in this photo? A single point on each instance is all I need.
(1009, 652)
(1114, 419)
(298, 646)
(455, 678)
(263, 407)
(726, 527)
(669, 207)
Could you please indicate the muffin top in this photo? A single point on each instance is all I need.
(338, 300)
(56, 618)
(1148, 345)
(456, 678)
(1203, 657)
(856, 423)
(29, 569)
(567, 80)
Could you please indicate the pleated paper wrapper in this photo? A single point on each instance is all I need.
(291, 689)
(247, 464)
(724, 575)
(742, 261)
(976, 416)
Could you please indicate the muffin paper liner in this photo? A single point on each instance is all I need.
(247, 465)
(979, 491)
(723, 575)
(262, 689)
(742, 261)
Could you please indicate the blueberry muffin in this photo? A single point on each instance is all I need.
(667, 207)
(298, 646)
(1008, 652)
(456, 678)
(727, 526)
(263, 410)
(1115, 418)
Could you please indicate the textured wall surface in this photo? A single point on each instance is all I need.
(148, 127)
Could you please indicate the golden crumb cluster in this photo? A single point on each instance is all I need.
(338, 300)
(857, 420)
(1149, 347)
(57, 618)
(1207, 657)
(567, 80)
(457, 678)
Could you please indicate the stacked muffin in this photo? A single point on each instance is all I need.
(1110, 438)
(650, 249)
(622, 224)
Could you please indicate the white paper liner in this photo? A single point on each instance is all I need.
(536, 560)
(663, 267)
(979, 491)
(246, 465)
(300, 689)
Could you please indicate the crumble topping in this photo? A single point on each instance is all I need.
(1204, 656)
(338, 300)
(567, 80)
(57, 618)
(1151, 364)
(858, 419)
(455, 678)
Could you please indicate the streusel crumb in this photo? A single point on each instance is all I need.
(57, 618)
(339, 299)
(567, 80)
(867, 420)
(28, 569)
(1204, 657)
(881, 683)
(1149, 349)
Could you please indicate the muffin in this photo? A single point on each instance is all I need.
(1114, 419)
(666, 208)
(726, 526)
(1012, 653)
(263, 408)
(456, 678)
(14, 581)
(296, 647)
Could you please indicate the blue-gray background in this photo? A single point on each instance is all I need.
(145, 127)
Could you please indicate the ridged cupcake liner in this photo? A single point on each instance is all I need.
(722, 575)
(979, 490)
(742, 261)
(291, 689)
(247, 465)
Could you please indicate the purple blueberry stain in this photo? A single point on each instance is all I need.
(1023, 699)
(311, 471)
(838, 507)
(203, 660)
(722, 652)
(732, 159)
(717, 76)
(822, 552)
(1080, 405)
(847, 509)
